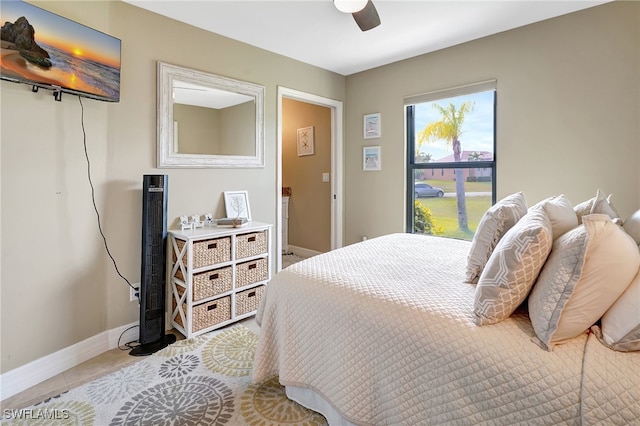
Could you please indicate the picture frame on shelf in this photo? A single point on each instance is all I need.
(371, 160)
(372, 126)
(306, 144)
(236, 204)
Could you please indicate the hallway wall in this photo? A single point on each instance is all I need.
(310, 202)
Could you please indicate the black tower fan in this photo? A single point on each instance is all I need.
(153, 268)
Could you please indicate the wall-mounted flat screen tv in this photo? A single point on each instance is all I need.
(47, 50)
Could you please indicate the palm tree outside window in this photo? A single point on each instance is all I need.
(451, 130)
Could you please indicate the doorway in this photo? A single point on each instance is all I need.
(336, 172)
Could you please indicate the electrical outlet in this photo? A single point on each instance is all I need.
(134, 292)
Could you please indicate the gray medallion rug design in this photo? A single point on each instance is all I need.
(205, 380)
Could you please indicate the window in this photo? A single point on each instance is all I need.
(450, 159)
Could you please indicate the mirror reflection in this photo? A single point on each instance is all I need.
(212, 121)
(205, 120)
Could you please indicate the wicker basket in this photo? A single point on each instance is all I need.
(208, 314)
(209, 283)
(248, 300)
(252, 244)
(208, 252)
(251, 272)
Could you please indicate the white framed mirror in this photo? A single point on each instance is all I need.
(206, 120)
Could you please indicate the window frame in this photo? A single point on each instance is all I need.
(409, 104)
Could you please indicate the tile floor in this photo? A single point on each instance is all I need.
(92, 369)
(289, 259)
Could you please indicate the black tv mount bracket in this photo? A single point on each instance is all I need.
(57, 92)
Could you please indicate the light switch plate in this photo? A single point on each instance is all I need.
(325, 177)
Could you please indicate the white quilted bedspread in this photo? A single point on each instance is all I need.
(384, 331)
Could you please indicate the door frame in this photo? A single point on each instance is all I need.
(337, 202)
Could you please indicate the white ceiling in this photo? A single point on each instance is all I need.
(203, 96)
(315, 32)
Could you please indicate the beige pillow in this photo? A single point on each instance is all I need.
(560, 211)
(494, 224)
(588, 269)
(513, 267)
(621, 323)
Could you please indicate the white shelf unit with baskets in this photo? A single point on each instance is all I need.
(217, 275)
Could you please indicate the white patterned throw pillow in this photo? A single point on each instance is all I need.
(588, 269)
(513, 268)
(494, 224)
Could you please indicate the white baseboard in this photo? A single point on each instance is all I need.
(22, 378)
(302, 252)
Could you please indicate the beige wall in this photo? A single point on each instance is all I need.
(212, 131)
(310, 203)
(198, 129)
(568, 113)
(236, 138)
(58, 286)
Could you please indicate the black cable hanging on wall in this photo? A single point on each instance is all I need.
(95, 208)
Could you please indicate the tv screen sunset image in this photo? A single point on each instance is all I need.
(42, 48)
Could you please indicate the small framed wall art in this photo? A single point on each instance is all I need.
(371, 158)
(372, 126)
(236, 204)
(305, 141)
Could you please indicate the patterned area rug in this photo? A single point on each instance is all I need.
(205, 380)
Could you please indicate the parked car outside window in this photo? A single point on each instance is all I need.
(426, 190)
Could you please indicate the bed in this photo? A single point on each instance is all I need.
(383, 332)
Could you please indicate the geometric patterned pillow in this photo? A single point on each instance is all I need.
(588, 269)
(513, 268)
(494, 224)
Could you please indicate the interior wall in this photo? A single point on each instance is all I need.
(568, 108)
(310, 201)
(53, 264)
(197, 129)
(235, 136)
(203, 130)
(58, 287)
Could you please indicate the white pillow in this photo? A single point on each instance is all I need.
(513, 267)
(597, 205)
(621, 323)
(561, 213)
(606, 207)
(632, 226)
(588, 269)
(494, 224)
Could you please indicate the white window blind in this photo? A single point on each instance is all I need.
(451, 92)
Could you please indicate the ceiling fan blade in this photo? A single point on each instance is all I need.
(367, 18)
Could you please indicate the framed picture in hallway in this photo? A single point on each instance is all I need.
(305, 141)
